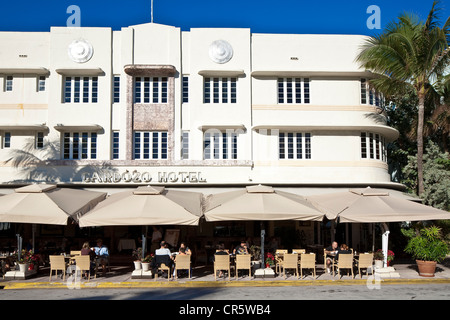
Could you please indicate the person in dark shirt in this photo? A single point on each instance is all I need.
(330, 254)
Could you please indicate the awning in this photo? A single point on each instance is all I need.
(80, 71)
(23, 127)
(222, 73)
(389, 133)
(81, 127)
(25, 70)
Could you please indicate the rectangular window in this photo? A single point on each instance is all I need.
(373, 146)
(185, 85)
(68, 90)
(77, 146)
(9, 83)
(220, 145)
(150, 145)
(39, 140)
(294, 145)
(224, 90)
(7, 140)
(363, 145)
(116, 89)
(363, 91)
(76, 90)
(41, 84)
(151, 90)
(81, 89)
(290, 90)
(115, 145)
(185, 145)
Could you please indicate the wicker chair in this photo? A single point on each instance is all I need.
(307, 261)
(344, 261)
(221, 262)
(299, 251)
(83, 263)
(365, 261)
(290, 261)
(182, 262)
(57, 263)
(243, 261)
(279, 257)
(75, 253)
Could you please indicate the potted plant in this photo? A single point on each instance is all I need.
(427, 247)
(146, 262)
(390, 257)
(24, 260)
(378, 256)
(137, 256)
(270, 260)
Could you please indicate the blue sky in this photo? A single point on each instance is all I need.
(282, 16)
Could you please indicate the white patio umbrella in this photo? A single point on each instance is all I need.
(259, 203)
(46, 204)
(146, 205)
(369, 205)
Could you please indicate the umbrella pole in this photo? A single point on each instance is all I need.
(263, 233)
(144, 240)
(385, 240)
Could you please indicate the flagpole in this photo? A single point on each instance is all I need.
(152, 11)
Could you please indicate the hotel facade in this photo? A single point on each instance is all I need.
(205, 110)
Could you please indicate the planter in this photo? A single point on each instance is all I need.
(145, 266)
(379, 264)
(426, 268)
(23, 267)
(137, 265)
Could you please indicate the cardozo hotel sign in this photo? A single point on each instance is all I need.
(144, 177)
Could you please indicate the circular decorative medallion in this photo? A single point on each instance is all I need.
(220, 51)
(80, 51)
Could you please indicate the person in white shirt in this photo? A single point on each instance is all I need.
(163, 250)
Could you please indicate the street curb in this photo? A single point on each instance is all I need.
(213, 284)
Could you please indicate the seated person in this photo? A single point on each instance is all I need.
(181, 252)
(102, 255)
(330, 252)
(342, 249)
(186, 249)
(241, 249)
(162, 255)
(163, 250)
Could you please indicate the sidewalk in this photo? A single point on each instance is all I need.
(202, 276)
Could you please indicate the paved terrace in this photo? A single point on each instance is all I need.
(120, 276)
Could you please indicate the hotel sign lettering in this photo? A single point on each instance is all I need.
(139, 177)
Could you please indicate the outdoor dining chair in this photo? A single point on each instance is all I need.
(162, 263)
(344, 261)
(75, 253)
(307, 261)
(83, 263)
(57, 263)
(243, 262)
(182, 262)
(222, 263)
(279, 257)
(299, 251)
(290, 261)
(365, 261)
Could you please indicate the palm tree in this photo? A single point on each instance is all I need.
(410, 56)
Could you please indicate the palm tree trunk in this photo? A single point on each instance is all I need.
(420, 123)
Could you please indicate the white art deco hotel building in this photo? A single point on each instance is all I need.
(205, 110)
